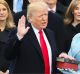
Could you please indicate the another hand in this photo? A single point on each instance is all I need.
(22, 30)
(64, 55)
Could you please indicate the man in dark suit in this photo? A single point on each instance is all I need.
(24, 6)
(26, 46)
(55, 23)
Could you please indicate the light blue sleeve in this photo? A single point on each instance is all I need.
(75, 46)
(74, 52)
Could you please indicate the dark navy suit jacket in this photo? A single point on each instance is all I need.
(55, 23)
(28, 52)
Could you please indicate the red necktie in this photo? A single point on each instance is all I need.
(44, 53)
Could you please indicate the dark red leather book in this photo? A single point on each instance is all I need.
(64, 63)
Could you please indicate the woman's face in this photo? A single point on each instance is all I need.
(3, 12)
(76, 13)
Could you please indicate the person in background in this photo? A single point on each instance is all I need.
(56, 7)
(26, 43)
(6, 26)
(72, 22)
(17, 5)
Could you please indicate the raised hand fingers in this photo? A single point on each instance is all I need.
(22, 30)
(21, 22)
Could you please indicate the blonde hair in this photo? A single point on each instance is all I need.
(35, 6)
(9, 20)
(69, 16)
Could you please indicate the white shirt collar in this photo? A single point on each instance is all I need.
(54, 9)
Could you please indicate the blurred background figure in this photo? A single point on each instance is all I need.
(65, 2)
(17, 5)
(72, 22)
(6, 26)
(56, 7)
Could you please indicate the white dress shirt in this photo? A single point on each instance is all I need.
(36, 31)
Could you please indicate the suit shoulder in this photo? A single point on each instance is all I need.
(54, 15)
(49, 30)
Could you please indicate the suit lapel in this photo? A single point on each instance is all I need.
(35, 42)
(50, 38)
